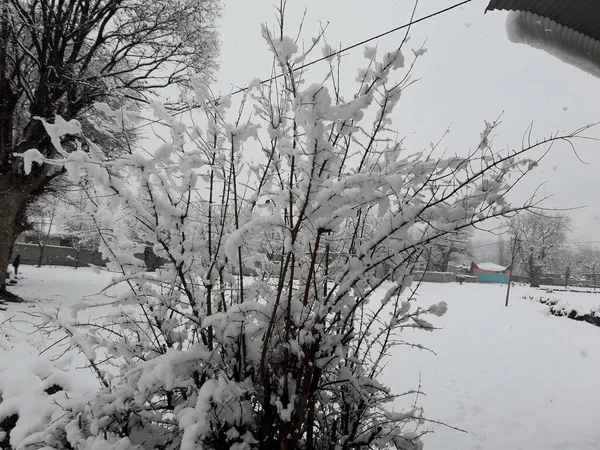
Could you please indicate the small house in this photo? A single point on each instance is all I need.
(490, 273)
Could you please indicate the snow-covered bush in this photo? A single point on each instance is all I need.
(37, 399)
(199, 355)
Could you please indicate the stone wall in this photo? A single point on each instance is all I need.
(58, 256)
(436, 277)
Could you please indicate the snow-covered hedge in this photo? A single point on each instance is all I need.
(556, 309)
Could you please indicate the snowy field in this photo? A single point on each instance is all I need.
(514, 378)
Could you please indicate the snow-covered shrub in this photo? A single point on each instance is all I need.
(38, 400)
(329, 221)
(548, 301)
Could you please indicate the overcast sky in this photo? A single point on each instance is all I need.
(470, 73)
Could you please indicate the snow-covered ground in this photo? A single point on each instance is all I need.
(48, 289)
(515, 378)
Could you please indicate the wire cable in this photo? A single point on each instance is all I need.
(329, 56)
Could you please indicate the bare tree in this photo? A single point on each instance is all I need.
(585, 261)
(43, 216)
(81, 231)
(60, 57)
(446, 249)
(541, 238)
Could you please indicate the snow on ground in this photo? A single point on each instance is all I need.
(50, 290)
(56, 285)
(515, 378)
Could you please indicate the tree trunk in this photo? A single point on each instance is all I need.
(10, 204)
(41, 258)
(536, 279)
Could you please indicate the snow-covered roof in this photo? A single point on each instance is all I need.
(490, 266)
(568, 30)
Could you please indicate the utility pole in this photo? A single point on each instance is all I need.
(512, 261)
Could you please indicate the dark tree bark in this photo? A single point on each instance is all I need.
(41, 257)
(10, 204)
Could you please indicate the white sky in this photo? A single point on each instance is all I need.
(470, 73)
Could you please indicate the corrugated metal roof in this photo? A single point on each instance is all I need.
(546, 25)
(579, 15)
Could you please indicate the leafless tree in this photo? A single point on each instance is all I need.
(447, 248)
(43, 216)
(59, 57)
(541, 237)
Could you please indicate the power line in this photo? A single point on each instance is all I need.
(324, 58)
(358, 44)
